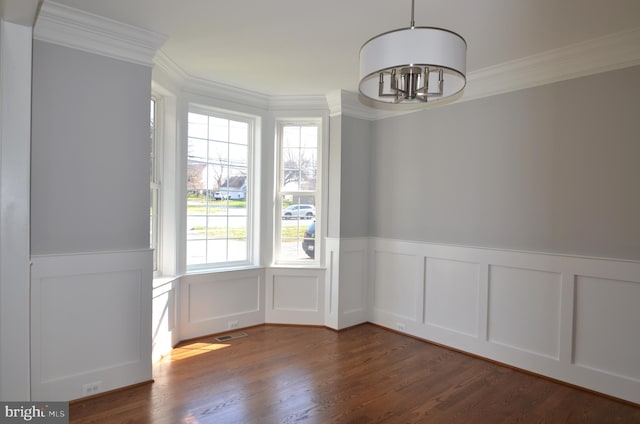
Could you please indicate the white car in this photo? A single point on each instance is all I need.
(299, 212)
(221, 195)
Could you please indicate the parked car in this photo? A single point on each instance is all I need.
(309, 241)
(299, 212)
(221, 195)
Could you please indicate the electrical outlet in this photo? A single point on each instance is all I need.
(400, 326)
(233, 324)
(91, 389)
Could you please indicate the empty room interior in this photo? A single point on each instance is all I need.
(459, 175)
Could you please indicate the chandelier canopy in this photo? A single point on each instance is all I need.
(413, 65)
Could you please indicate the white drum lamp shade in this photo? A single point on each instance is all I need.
(411, 65)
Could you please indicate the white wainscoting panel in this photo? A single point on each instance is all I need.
(353, 282)
(164, 316)
(571, 318)
(452, 295)
(397, 285)
(296, 293)
(216, 302)
(332, 283)
(524, 309)
(90, 322)
(607, 326)
(295, 296)
(353, 292)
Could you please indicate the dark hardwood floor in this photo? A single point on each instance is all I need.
(365, 374)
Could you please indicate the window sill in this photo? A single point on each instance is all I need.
(316, 267)
(223, 269)
(161, 280)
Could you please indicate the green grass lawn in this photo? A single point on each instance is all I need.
(199, 206)
(221, 232)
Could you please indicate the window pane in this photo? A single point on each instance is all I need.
(238, 155)
(308, 166)
(217, 208)
(196, 251)
(154, 224)
(152, 139)
(291, 169)
(290, 136)
(197, 125)
(195, 182)
(218, 152)
(216, 251)
(218, 129)
(298, 215)
(238, 132)
(309, 137)
(197, 149)
(237, 250)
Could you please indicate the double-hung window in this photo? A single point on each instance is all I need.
(219, 175)
(154, 210)
(298, 191)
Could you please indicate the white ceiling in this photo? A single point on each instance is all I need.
(303, 47)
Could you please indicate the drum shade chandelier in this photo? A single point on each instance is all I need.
(413, 65)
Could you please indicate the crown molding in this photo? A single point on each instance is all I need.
(171, 69)
(223, 92)
(287, 103)
(69, 27)
(614, 51)
(202, 86)
(608, 53)
(343, 102)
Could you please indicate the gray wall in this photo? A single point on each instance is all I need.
(355, 176)
(90, 152)
(552, 168)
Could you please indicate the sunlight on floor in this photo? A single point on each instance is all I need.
(193, 349)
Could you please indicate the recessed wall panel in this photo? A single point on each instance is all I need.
(296, 293)
(607, 326)
(396, 284)
(524, 309)
(352, 281)
(95, 315)
(218, 298)
(451, 295)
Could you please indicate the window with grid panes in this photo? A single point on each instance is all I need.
(218, 203)
(154, 210)
(298, 192)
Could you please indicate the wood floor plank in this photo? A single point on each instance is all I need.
(365, 374)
